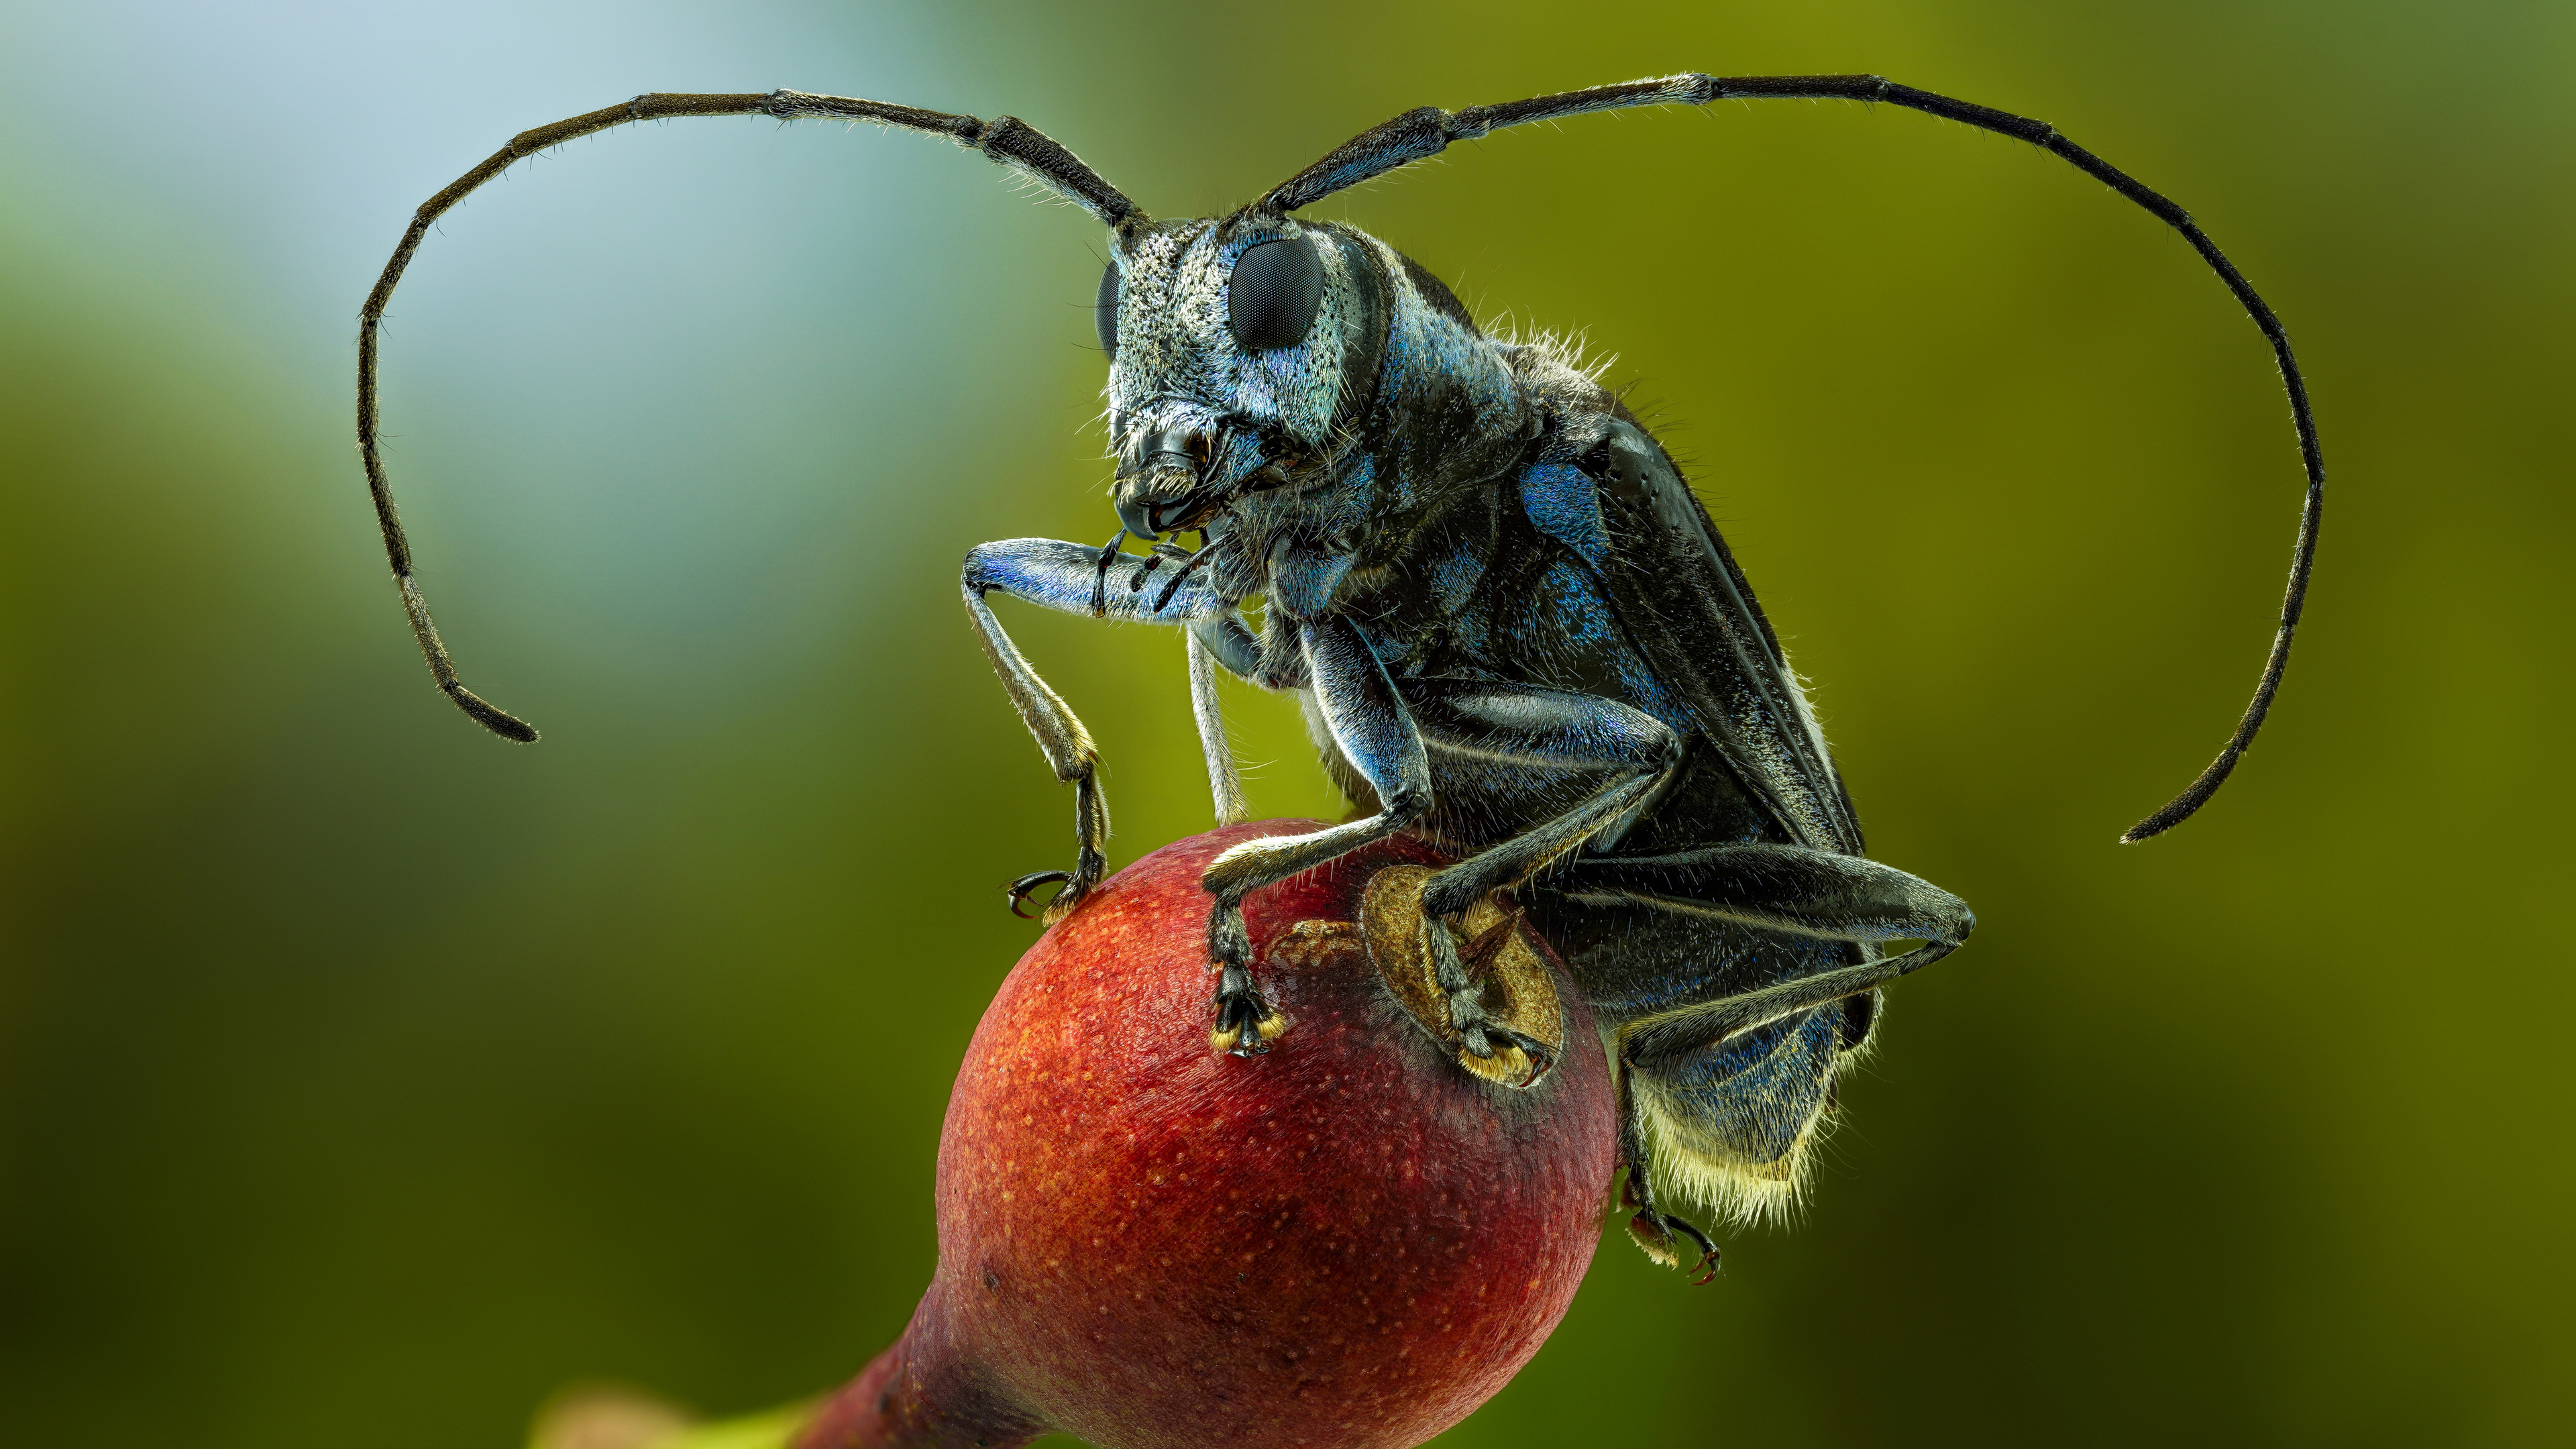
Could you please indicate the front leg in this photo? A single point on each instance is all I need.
(1369, 722)
(1073, 578)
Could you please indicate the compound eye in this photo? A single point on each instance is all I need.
(1104, 311)
(1277, 287)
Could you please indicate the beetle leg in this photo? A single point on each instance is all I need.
(1070, 578)
(1788, 889)
(1652, 1228)
(1234, 648)
(1738, 1081)
(1522, 727)
(1223, 782)
(1369, 722)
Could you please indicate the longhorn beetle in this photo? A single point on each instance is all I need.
(1511, 626)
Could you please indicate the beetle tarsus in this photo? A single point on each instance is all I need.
(1019, 891)
(1246, 1023)
(1462, 975)
(1654, 1230)
(1542, 1057)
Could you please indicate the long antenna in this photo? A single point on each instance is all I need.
(1004, 139)
(1417, 135)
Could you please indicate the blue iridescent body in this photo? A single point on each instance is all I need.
(1514, 632)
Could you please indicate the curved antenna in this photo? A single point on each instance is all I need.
(1417, 135)
(1005, 139)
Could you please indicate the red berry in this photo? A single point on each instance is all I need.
(1348, 1241)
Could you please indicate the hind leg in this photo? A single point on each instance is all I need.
(1752, 975)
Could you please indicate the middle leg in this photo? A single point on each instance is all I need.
(1623, 754)
(1376, 734)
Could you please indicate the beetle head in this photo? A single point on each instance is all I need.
(1241, 351)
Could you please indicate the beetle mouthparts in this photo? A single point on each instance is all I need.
(1162, 497)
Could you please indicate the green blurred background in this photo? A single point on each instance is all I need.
(363, 1078)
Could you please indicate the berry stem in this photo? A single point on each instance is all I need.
(923, 1392)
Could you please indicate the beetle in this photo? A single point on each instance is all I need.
(1511, 626)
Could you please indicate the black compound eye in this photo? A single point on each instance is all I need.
(1277, 287)
(1104, 311)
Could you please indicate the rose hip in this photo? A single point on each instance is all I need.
(1352, 1240)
